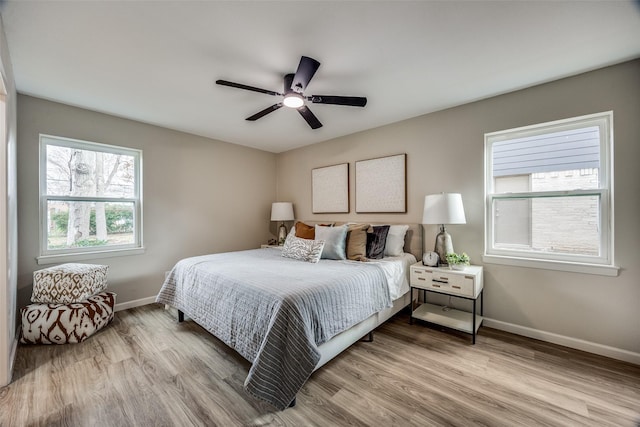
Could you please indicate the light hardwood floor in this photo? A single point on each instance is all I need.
(147, 370)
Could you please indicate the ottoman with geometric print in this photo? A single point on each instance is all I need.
(67, 283)
(66, 323)
(69, 304)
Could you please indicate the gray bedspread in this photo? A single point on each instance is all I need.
(275, 311)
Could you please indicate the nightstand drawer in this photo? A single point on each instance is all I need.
(420, 276)
(424, 278)
(455, 283)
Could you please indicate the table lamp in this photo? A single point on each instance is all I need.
(282, 211)
(443, 208)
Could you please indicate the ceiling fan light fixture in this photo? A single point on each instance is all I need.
(294, 86)
(293, 100)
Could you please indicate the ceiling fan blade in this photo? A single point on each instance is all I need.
(264, 112)
(311, 119)
(353, 101)
(245, 87)
(306, 69)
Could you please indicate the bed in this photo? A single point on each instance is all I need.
(288, 317)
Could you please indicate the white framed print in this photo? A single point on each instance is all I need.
(330, 189)
(381, 185)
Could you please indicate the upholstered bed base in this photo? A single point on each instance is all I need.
(344, 340)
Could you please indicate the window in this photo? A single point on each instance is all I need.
(549, 195)
(90, 200)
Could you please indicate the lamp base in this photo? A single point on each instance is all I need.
(282, 234)
(444, 245)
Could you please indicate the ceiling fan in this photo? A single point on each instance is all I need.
(294, 87)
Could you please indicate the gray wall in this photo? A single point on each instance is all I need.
(200, 195)
(446, 153)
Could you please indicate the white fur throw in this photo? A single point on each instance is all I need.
(68, 283)
(66, 323)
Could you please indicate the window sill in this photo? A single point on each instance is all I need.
(82, 256)
(574, 267)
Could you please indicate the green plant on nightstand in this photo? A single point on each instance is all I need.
(457, 261)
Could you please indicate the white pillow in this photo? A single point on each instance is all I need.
(302, 249)
(335, 241)
(395, 240)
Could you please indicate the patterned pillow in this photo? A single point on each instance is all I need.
(357, 241)
(376, 240)
(335, 241)
(66, 323)
(302, 249)
(68, 283)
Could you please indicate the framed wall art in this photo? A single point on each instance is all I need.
(330, 189)
(381, 185)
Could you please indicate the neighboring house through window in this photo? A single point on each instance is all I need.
(90, 200)
(549, 195)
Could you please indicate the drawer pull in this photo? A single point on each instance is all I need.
(455, 287)
(421, 278)
(435, 286)
(440, 281)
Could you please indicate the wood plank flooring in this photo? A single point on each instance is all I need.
(147, 370)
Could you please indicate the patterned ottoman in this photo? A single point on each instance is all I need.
(67, 283)
(66, 323)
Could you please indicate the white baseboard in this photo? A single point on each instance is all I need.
(578, 344)
(135, 303)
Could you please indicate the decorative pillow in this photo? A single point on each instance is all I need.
(395, 240)
(357, 241)
(67, 283)
(334, 241)
(302, 249)
(305, 231)
(376, 240)
(66, 323)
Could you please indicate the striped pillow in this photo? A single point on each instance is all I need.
(302, 249)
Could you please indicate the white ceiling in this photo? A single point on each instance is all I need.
(157, 61)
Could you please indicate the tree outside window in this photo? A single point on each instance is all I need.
(90, 196)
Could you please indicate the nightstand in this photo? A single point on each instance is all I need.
(465, 284)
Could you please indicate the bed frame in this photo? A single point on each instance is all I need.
(412, 244)
(339, 343)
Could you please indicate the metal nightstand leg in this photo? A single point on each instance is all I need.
(411, 306)
(473, 326)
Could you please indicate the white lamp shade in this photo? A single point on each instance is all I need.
(282, 211)
(444, 208)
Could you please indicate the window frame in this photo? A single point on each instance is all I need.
(48, 256)
(602, 264)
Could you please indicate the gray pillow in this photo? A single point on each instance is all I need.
(334, 241)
